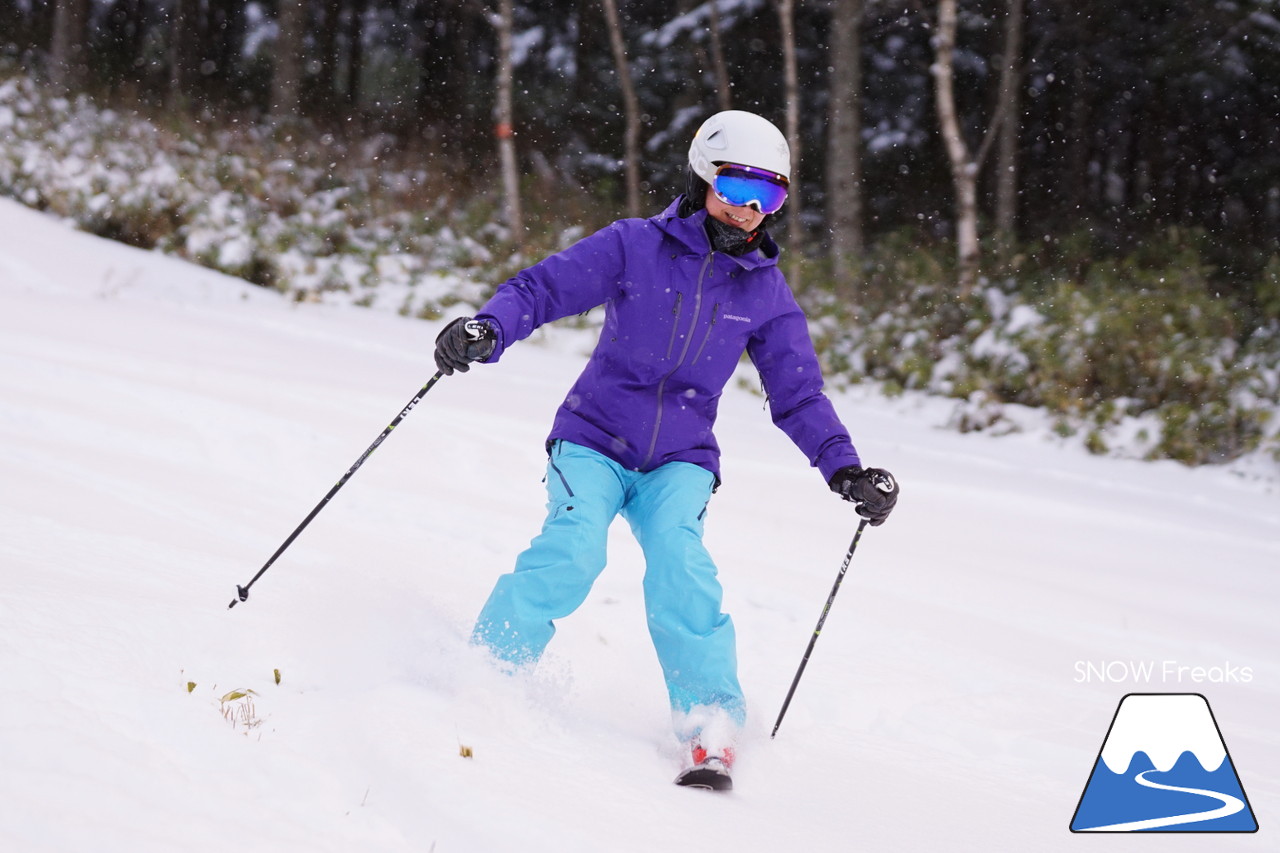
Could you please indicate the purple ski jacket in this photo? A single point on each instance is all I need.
(678, 317)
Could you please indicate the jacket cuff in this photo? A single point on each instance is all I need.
(500, 338)
(829, 465)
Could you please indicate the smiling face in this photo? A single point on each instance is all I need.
(747, 218)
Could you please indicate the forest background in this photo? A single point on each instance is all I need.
(1065, 207)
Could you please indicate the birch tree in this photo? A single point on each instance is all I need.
(630, 107)
(69, 60)
(355, 52)
(327, 50)
(711, 55)
(286, 75)
(844, 132)
(1010, 127)
(503, 21)
(964, 169)
(724, 88)
(184, 53)
(791, 76)
(965, 166)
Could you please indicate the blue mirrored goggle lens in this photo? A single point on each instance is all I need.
(741, 188)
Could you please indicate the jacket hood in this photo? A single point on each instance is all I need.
(691, 232)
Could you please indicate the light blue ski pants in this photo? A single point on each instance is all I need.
(665, 508)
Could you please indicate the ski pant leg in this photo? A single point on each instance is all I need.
(552, 577)
(695, 642)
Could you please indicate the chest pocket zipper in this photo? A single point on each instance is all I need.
(675, 324)
(711, 327)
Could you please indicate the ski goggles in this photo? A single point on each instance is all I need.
(743, 186)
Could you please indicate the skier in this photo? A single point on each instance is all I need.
(686, 293)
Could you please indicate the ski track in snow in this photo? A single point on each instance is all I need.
(164, 428)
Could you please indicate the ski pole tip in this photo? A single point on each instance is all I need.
(242, 594)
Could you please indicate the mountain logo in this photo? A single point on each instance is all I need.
(1164, 767)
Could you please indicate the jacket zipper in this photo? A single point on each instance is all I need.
(697, 307)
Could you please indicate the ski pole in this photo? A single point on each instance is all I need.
(242, 592)
(786, 703)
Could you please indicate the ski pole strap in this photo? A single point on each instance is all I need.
(242, 592)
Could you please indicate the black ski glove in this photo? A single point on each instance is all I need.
(463, 341)
(873, 491)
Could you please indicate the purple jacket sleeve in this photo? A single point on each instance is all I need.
(572, 281)
(783, 353)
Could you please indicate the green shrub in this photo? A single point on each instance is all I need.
(1127, 342)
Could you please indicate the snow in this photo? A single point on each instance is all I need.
(698, 21)
(165, 427)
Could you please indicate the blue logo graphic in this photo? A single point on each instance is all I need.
(1164, 767)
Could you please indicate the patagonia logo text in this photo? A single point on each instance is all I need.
(736, 317)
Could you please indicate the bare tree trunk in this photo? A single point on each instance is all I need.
(286, 76)
(355, 54)
(1079, 191)
(327, 50)
(184, 53)
(592, 43)
(844, 138)
(40, 24)
(724, 89)
(504, 119)
(630, 106)
(1010, 127)
(69, 50)
(791, 76)
(121, 37)
(11, 23)
(220, 41)
(964, 170)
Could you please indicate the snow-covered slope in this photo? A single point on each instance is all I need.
(164, 428)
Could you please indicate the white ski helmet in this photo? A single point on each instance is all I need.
(744, 138)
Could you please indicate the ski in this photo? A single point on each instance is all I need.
(710, 775)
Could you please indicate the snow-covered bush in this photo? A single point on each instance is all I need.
(301, 211)
(1135, 356)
